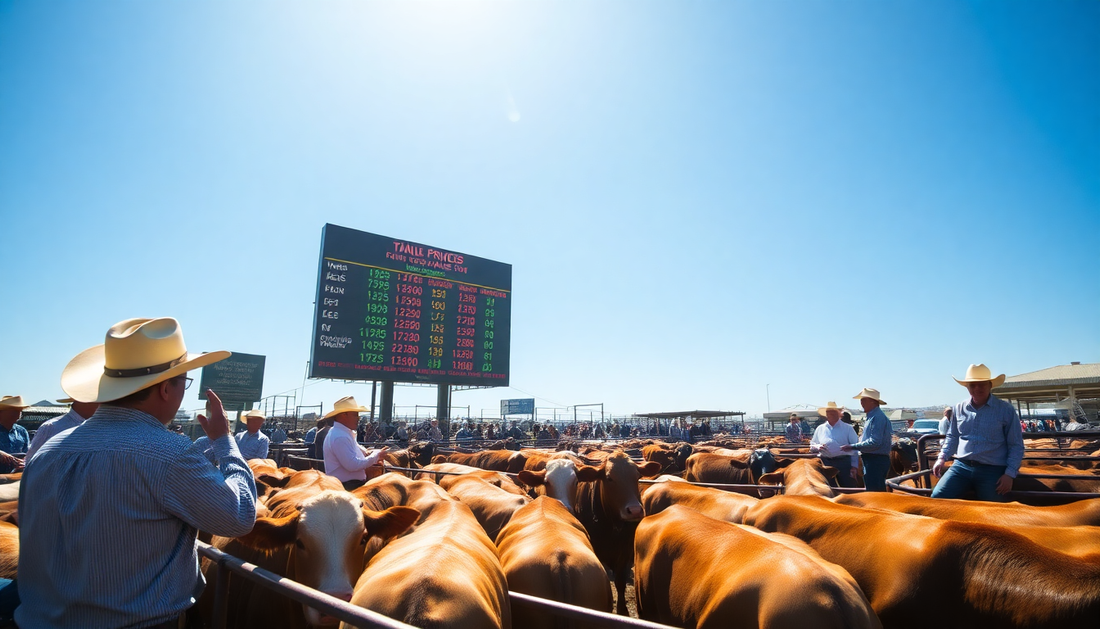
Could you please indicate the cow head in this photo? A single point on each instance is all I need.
(680, 456)
(423, 452)
(326, 535)
(560, 477)
(905, 453)
(618, 485)
(761, 462)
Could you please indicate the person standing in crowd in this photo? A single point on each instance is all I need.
(344, 458)
(875, 445)
(434, 433)
(252, 442)
(311, 434)
(78, 412)
(945, 421)
(828, 443)
(14, 439)
(316, 451)
(985, 440)
(110, 510)
(794, 430)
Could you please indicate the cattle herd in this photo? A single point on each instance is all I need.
(442, 541)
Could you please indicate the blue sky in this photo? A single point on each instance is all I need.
(706, 204)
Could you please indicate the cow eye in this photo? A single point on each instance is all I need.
(363, 540)
(299, 544)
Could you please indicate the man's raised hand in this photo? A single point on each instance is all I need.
(217, 426)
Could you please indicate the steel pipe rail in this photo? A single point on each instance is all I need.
(331, 606)
(590, 616)
(895, 485)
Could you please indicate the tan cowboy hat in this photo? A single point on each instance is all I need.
(13, 401)
(65, 400)
(345, 405)
(869, 393)
(253, 413)
(831, 406)
(136, 354)
(980, 373)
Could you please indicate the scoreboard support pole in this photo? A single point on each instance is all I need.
(385, 409)
(443, 402)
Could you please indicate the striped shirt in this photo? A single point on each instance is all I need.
(253, 446)
(59, 424)
(990, 434)
(108, 515)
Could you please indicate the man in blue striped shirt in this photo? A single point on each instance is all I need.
(874, 448)
(109, 511)
(14, 438)
(252, 442)
(985, 438)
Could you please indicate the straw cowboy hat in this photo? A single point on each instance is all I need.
(831, 406)
(13, 401)
(136, 354)
(980, 373)
(346, 405)
(65, 400)
(870, 393)
(253, 413)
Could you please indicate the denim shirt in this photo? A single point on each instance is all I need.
(14, 441)
(990, 434)
(877, 434)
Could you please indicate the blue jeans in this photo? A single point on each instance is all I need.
(875, 468)
(963, 475)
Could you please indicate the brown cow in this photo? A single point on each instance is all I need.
(492, 506)
(1082, 512)
(694, 571)
(559, 480)
(315, 535)
(920, 572)
(673, 459)
(9, 550)
(499, 460)
(714, 503)
(444, 572)
(803, 477)
(610, 509)
(498, 479)
(545, 552)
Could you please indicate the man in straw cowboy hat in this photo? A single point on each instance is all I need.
(344, 458)
(14, 438)
(985, 438)
(828, 440)
(110, 509)
(78, 412)
(252, 441)
(874, 448)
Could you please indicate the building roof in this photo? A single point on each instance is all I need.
(691, 414)
(1053, 383)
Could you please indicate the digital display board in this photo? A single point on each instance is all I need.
(391, 309)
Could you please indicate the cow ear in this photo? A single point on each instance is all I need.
(830, 472)
(782, 463)
(589, 473)
(272, 480)
(272, 533)
(389, 523)
(773, 478)
(738, 464)
(439, 458)
(532, 479)
(652, 468)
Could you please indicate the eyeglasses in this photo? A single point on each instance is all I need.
(187, 382)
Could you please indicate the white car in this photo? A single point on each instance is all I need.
(926, 427)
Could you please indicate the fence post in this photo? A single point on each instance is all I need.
(221, 599)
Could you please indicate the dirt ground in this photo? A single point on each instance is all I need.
(631, 602)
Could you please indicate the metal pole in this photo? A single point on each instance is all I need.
(373, 397)
(768, 391)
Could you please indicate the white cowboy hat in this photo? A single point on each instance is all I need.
(831, 406)
(346, 405)
(13, 401)
(136, 354)
(253, 413)
(869, 393)
(980, 373)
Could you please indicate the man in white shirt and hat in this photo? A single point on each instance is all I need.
(252, 442)
(344, 457)
(78, 412)
(828, 440)
(110, 510)
(14, 439)
(985, 439)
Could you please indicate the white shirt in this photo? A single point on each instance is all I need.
(344, 458)
(830, 438)
(48, 429)
(945, 423)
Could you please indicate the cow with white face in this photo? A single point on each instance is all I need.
(559, 479)
(315, 535)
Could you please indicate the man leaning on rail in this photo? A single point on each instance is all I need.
(109, 510)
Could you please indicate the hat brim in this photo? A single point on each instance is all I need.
(18, 406)
(822, 410)
(860, 397)
(84, 381)
(357, 409)
(998, 381)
